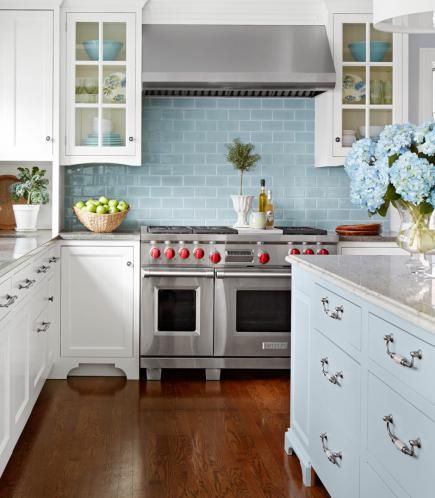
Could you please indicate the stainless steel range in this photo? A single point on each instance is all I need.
(215, 298)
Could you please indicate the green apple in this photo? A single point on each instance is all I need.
(113, 210)
(79, 204)
(113, 203)
(90, 202)
(101, 209)
(91, 208)
(122, 206)
(103, 200)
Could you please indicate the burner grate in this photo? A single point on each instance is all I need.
(170, 229)
(302, 231)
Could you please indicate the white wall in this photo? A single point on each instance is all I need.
(234, 12)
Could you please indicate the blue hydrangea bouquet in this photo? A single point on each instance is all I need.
(398, 169)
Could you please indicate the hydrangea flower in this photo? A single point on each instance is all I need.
(395, 139)
(413, 177)
(362, 152)
(428, 146)
(369, 184)
(422, 130)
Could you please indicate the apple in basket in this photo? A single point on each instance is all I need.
(103, 206)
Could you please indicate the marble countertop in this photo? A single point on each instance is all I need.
(87, 235)
(16, 247)
(382, 280)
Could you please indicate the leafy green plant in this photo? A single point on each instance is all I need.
(242, 157)
(31, 186)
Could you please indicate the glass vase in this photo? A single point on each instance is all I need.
(415, 235)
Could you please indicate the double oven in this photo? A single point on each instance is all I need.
(232, 314)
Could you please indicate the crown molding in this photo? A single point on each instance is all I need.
(260, 12)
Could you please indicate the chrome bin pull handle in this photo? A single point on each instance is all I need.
(337, 314)
(398, 443)
(333, 456)
(398, 358)
(333, 378)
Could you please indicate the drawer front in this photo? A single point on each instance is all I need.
(23, 282)
(412, 472)
(335, 380)
(341, 478)
(8, 299)
(372, 485)
(408, 358)
(337, 317)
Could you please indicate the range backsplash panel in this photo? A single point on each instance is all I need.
(185, 179)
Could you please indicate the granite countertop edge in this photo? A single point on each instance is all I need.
(403, 311)
(386, 237)
(84, 235)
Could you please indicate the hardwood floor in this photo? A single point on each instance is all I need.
(182, 437)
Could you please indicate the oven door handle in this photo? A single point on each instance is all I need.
(247, 274)
(177, 273)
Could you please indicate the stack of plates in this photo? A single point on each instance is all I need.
(358, 230)
(109, 139)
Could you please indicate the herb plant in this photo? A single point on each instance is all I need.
(242, 157)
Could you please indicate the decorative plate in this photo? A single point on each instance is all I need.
(114, 88)
(354, 89)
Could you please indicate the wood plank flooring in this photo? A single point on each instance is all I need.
(182, 437)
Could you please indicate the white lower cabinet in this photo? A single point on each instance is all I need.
(100, 307)
(362, 418)
(25, 354)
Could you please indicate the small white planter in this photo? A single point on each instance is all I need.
(26, 216)
(242, 205)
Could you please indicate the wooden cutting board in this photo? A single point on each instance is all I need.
(365, 227)
(7, 218)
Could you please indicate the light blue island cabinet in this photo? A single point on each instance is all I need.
(363, 376)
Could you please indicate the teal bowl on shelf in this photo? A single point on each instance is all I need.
(377, 50)
(110, 49)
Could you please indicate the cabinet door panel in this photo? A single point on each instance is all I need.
(19, 340)
(5, 433)
(97, 302)
(26, 85)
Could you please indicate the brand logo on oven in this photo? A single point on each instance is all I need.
(275, 345)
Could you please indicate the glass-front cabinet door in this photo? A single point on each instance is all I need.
(100, 85)
(366, 92)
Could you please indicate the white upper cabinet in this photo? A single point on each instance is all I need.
(102, 91)
(26, 85)
(369, 93)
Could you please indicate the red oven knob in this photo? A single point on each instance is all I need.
(169, 253)
(184, 253)
(308, 251)
(323, 252)
(215, 257)
(295, 251)
(198, 253)
(155, 253)
(263, 257)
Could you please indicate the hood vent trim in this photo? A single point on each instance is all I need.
(228, 93)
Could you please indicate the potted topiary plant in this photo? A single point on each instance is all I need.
(29, 193)
(242, 157)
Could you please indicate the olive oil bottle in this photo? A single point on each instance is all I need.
(262, 198)
(270, 215)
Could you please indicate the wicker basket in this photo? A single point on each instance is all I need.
(100, 223)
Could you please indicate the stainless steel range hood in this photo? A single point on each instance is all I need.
(236, 61)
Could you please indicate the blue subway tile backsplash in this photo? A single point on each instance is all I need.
(185, 179)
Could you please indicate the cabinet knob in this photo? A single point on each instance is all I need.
(51, 299)
(48, 138)
(337, 139)
(129, 263)
(130, 139)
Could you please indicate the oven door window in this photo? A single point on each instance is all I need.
(176, 310)
(263, 311)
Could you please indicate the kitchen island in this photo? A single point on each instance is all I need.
(362, 384)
